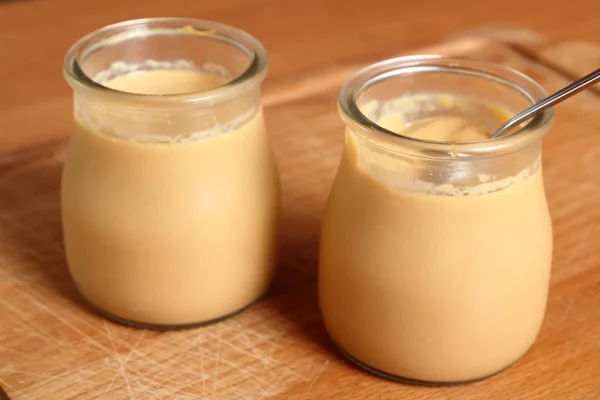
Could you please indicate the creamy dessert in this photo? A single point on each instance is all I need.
(162, 228)
(425, 281)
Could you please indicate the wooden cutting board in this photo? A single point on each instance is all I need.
(53, 348)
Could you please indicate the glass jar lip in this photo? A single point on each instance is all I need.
(252, 75)
(533, 131)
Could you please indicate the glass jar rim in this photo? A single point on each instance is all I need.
(168, 26)
(533, 131)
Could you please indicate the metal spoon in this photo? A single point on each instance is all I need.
(549, 101)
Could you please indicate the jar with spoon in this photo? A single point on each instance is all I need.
(436, 241)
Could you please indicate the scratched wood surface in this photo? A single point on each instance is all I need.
(52, 347)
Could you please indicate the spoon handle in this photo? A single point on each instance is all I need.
(549, 101)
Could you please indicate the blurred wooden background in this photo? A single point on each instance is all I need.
(301, 36)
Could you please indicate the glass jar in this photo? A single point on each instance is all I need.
(435, 256)
(170, 199)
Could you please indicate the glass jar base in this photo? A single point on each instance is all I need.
(160, 327)
(410, 381)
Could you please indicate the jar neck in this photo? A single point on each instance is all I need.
(161, 125)
(456, 177)
(480, 85)
(152, 43)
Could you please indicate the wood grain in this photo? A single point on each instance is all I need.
(301, 36)
(52, 347)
